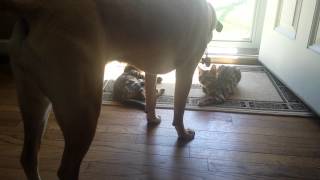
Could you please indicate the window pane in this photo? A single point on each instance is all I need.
(237, 17)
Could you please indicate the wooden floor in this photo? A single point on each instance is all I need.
(227, 146)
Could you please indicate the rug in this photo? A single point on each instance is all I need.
(258, 92)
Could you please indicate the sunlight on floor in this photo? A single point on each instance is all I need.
(114, 69)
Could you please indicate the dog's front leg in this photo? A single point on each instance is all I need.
(183, 84)
(151, 98)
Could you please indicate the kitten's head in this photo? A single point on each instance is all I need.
(207, 77)
(130, 68)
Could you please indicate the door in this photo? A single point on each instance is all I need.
(290, 46)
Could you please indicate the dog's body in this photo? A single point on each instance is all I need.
(60, 48)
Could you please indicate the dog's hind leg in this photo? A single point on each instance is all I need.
(34, 105)
(35, 109)
(77, 113)
(184, 76)
(151, 98)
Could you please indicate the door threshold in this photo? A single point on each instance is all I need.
(240, 60)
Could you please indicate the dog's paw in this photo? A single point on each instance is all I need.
(187, 135)
(154, 120)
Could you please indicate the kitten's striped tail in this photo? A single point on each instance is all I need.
(141, 105)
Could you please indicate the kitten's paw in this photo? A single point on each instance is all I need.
(159, 80)
(161, 92)
(205, 101)
(202, 103)
(154, 120)
(186, 135)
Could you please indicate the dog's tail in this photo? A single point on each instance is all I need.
(19, 34)
(19, 6)
(20, 10)
(219, 26)
(215, 24)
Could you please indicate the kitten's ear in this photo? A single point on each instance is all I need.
(213, 69)
(127, 68)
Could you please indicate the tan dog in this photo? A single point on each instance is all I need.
(59, 50)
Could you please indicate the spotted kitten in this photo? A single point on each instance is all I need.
(218, 84)
(129, 89)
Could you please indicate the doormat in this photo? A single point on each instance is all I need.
(258, 92)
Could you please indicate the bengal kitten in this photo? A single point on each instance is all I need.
(218, 83)
(128, 88)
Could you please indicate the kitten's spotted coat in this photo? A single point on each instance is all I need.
(129, 88)
(218, 83)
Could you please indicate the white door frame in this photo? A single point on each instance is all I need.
(245, 47)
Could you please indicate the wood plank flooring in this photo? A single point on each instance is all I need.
(227, 146)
